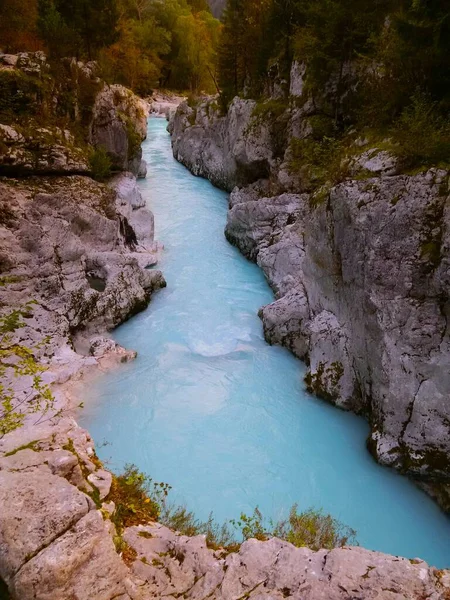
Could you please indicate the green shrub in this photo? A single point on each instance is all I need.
(20, 95)
(269, 109)
(422, 134)
(181, 519)
(319, 161)
(134, 139)
(311, 528)
(314, 529)
(139, 499)
(252, 526)
(100, 163)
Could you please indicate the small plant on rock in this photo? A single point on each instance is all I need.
(18, 360)
(137, 497)
(314, 529)
(100, 163)
(422, 133)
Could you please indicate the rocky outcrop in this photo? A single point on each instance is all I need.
(65, 244)
(170, 565)
(236, 150)
(360, 269)
(164, 104)
(361, 284)
(55, 116)
(44, 150)
(54, 541)
(119, 124)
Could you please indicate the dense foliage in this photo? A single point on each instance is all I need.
(402, 48)
(377, 63)
(140, 43)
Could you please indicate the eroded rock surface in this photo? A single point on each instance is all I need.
(171, 566)
(54, 543)
(64, 244)
(235, 151)
(119, 124)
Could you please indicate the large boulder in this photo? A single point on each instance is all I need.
(229, 150)
(119, 125)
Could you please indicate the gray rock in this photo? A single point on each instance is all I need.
(378, 162)
(142, 173)
(102, 480)
(171, 565)
(351, 275)
(237, 152)
(37, 507)
(81, 564)
(119, 124)
(75, 255)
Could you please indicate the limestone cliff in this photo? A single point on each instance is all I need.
(360, 268)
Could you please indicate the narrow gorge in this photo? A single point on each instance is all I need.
(207, 395)
(204, 388)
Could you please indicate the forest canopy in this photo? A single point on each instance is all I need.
(402, 47)
(139, 43)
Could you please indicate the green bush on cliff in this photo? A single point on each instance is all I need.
(139, 499)
(314, 529)
(319, 160)
(311, 528)
(422, 133)
(100, 163)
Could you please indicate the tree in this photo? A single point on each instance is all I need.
(59, 38)
(18, 30)
(195, 64)
(94, 21)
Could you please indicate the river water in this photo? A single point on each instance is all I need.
(223, 417)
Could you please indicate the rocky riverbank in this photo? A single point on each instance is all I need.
(78, 249)
(360, 268)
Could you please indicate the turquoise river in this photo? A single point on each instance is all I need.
(223, 417)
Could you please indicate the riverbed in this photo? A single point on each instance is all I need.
(223, 417)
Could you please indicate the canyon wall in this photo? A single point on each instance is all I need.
(360, 268)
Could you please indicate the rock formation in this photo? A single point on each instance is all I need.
(50, 116)
(360, 269)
